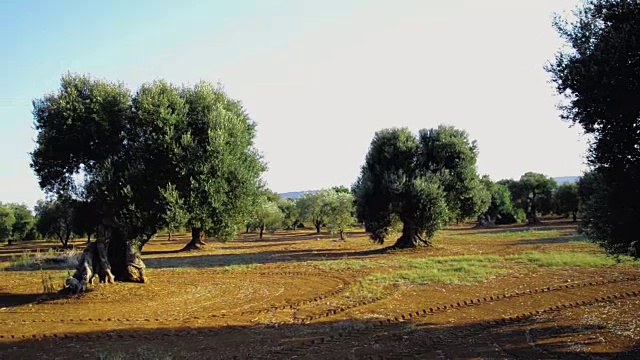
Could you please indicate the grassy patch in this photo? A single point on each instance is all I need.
(567, 259)
(450, 270)
(239, 267)
(344, 264)
(526, 234)
(50, 259)
(365, 291)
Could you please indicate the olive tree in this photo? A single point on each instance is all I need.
(340, 212)
(566, 200)
(7, 219)
(267, 216)
(217, 166)
(424, 181)
(291, 213)
(314, 208)
(597, 73)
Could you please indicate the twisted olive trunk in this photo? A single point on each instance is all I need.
(410, 237)
(196, 242)
(113, 256)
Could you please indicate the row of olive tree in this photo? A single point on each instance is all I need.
(333, 208)
(534, 194)
(140, 160)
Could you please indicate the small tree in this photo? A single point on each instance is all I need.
(500, 210)
(291, 213)
(340, 212)
(314, 208)
(268, 216)
(175, 217)
(218, 167)
(55, 219)
(24, 221)
(535, 193)
(567, 201)
(7, 220)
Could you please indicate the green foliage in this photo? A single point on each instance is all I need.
(533, 193)
(217, 167)
(175, 217)
(425, 181)
(24, 221)
(341, 189)
(267, 215)
(340, 212)
(290, 212)
(55, 219)
(85, 218)
(500, 210)
(597, 74)
(566, 200)
(7, 220)
(117, 142)
(314, 208)
(149, 158)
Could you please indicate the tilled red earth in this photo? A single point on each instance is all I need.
(285, 309)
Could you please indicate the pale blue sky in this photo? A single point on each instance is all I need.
(319, 77)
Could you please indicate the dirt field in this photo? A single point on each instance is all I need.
(510, 292)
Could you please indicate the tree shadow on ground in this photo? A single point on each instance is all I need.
(8, 300)
(255, 258)
(558, 240)
(504, 229)
(346, 339)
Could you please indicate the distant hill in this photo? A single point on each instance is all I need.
(296, 194)
(566, 179)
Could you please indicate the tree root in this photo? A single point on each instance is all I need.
(93, 261)
(197, 246)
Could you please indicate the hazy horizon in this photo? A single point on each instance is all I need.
(319, 78)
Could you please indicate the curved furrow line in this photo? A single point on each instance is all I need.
(344, 284)
(357, 331)
(458, 304)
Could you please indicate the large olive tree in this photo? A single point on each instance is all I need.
(598, 75)
(423, 180)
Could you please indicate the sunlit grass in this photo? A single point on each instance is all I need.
(526, 234)
(450, 270)
(345, 264)
(569, 259)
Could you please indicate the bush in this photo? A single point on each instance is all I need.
(516, 216)
(67, 259)
(33, 234)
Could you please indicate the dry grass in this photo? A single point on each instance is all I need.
(51, 259)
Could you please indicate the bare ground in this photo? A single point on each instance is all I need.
(293, 295)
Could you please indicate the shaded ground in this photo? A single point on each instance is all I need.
(513, 292)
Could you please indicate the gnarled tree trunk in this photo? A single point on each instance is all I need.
(196, 242)
(410, 238)
(318, 226)
(111, 257)
(261, 231)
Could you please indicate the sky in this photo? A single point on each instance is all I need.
(319, 77)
